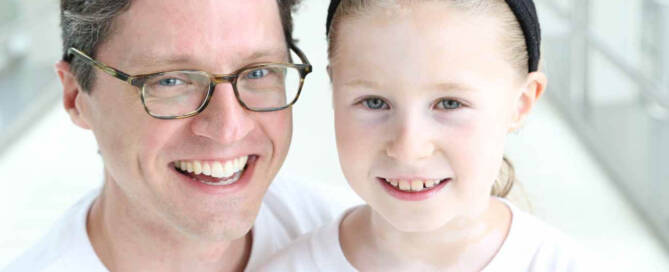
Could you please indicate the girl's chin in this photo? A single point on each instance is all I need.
(423, 222)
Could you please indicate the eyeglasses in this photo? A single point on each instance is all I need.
(181, 94)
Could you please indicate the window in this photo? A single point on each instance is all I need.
(608, 64)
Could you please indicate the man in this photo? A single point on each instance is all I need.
(189, 102)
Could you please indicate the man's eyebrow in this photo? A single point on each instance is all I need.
(157, 59)
(273, 54)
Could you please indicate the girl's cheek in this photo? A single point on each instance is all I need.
(459, 119)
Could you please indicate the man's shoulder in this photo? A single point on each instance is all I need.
(307, 204)
(65, 247)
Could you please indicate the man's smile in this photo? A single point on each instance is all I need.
(216, 173)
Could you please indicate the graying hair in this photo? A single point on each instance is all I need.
(86, 24)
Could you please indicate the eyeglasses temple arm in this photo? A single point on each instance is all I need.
(107, 69)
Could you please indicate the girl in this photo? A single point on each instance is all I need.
(424, 95)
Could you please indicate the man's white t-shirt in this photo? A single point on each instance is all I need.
(530, 245)
(289, 209)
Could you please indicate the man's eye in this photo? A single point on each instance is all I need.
(169, 82)
(257, 73)
(374, 103)
(449, 104)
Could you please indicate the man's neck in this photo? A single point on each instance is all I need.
(126, 239)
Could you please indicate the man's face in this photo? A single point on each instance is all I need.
(141, 153)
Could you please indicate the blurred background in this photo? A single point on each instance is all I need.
(592, 160)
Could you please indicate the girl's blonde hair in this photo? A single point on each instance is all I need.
(513, 42)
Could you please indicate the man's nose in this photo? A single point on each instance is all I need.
(224, 119)
(410, 138)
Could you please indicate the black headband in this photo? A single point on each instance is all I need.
(525, 12)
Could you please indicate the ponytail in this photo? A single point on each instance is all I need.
(505, 180)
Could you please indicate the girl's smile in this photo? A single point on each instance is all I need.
(414, 189)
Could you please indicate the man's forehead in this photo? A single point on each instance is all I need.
(155, 31)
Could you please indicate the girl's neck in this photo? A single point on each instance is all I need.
(370, 242)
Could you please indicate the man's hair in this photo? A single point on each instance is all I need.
(86, 24)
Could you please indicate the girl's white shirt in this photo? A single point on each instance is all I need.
(530, 245)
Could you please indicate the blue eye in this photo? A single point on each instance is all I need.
(449, 104)
(169, 82)
(257, 73)
(375, 103)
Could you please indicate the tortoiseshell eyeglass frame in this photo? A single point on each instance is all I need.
(139, 80)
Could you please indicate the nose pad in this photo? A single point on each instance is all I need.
(409, 143)
(224, 119)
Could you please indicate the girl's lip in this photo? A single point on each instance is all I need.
(411, 178)
(412, 196)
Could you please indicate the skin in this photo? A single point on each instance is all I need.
(147, 218)
(415, 59)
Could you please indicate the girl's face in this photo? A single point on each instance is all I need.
(423, 97)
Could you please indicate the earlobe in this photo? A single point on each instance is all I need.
(533, 89)
(72, 94)
(329, 69)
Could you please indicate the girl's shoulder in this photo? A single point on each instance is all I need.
(318, 250)
(533, 245)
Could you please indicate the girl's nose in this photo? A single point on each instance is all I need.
(410, 139)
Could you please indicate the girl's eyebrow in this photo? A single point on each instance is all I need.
(441, 86)
(452, 86)
(361, 83)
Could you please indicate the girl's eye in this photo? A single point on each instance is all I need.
(169, 82)
(375, 103)
(257, 73)
(449, 104)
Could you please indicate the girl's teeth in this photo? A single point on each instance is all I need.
(416, 185)
(405, 185)
(413, 185)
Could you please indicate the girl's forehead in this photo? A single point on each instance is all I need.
(424, 41)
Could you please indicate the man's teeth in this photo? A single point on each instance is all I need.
(213, 168)
(415, 185)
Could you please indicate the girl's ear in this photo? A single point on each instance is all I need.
(533, 88)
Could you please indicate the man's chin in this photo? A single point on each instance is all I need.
(217, 228)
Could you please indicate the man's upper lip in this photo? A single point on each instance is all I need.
(209, 158)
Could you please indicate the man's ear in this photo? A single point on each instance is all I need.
(329, 68)
(72, 94)
(532, 90)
